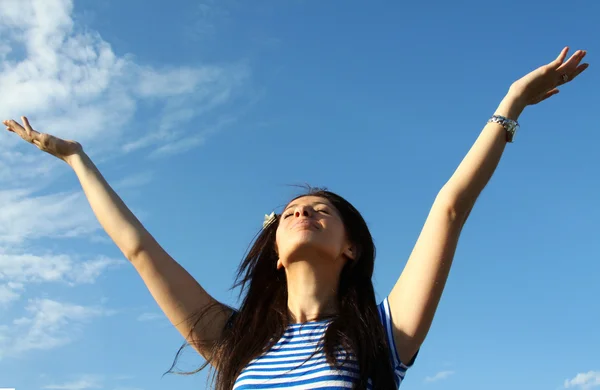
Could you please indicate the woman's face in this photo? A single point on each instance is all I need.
(311, 226)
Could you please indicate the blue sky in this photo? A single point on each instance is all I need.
(201, 114)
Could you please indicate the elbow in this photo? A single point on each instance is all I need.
(132, 253)
(456, 207)
(134, 246)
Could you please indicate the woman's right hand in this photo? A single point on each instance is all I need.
(544, 81)
(58, 147)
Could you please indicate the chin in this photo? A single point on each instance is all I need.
(306, 247)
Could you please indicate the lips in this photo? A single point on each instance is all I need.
(305, 223)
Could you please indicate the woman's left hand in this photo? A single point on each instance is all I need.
(543, 82)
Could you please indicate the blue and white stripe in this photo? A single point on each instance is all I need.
(289, 365)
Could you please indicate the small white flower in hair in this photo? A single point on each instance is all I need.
(269, 218)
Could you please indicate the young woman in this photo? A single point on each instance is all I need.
(309, 318)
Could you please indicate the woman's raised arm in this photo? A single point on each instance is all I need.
(177, 293)
(415, 297)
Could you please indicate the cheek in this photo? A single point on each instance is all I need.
(281, 240)
(336, 232)
(277, 243)
(278, 238)
(285, 240)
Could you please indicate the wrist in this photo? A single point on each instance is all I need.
(511, 106)
(75, 159)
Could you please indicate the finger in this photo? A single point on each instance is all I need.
(26, 123)
(549, 94)
(561, 57)
(571, 65)
(573, 73)
(14, 126)
(575, 59)
(27, 128)
(579, 70)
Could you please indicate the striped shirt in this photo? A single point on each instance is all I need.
(289, 365)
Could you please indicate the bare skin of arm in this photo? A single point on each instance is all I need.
(177, 293)
(415, 296)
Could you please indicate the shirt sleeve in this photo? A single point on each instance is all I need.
(385, 315)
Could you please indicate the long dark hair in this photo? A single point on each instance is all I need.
(263, 315)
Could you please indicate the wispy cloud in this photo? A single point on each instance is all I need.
(26, 216)
(27, 268)
(439, 376)
(48, 324)
(70, 82)
(208, 16)
(127, 388)
(75, 86)
(134, 181)
(22, 269)
(150, 317)
(584, 381)
(83, 383)
(62, 75)
(194, 140)
(35, 168)
(9, 292)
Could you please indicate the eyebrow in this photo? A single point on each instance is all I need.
(312, 204)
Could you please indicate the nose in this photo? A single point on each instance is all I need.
(302, 211)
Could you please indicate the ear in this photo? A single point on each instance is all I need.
(350, 252)
(279, 264)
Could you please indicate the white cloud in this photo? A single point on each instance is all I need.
(62, 73)
(82, 383)
(584, 381)
(53, 268)
(25, 216)
(134, 181)
(123, 377)
(69, 82)
(177, 81)
(209, 15)
(127, 388)
(8, 293)
(179, 146)
(32, 169)
(48, 324)
(19, 270)
(439, 376)
(150, 317)
(89, 271)
(74, 85)
(192, 141)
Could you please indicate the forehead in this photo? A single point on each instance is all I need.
(309, 200)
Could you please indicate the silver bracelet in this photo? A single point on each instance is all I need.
(509, 125)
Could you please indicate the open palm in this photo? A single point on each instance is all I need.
(58, 147)
(543, 82)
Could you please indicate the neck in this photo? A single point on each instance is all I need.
(312, 290)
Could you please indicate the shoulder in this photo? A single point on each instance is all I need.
(385, 315)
